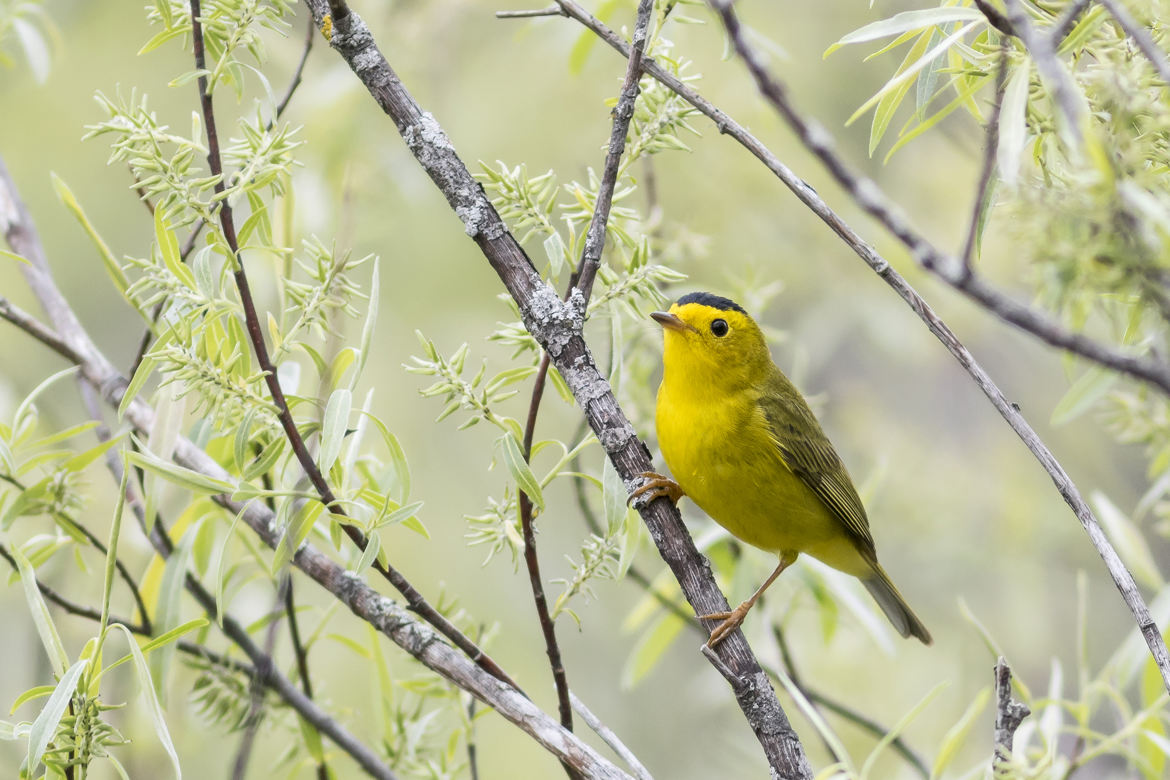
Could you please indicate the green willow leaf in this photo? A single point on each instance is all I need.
(519, 468)
(45, 725)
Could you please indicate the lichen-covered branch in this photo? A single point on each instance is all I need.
(557, 325)
(1009, 714)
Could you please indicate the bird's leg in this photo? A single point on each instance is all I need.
(655, 486)
(733, 619)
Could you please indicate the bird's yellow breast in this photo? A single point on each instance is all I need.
(721, 452)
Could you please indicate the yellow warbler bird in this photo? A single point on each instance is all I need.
(743, 445)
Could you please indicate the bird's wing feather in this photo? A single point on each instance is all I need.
(808, 452)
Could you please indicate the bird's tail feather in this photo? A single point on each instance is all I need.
(895, 607)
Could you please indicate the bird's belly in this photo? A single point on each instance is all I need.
(736, 475)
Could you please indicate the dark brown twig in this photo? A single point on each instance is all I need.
(870, 197)
(1064, 23)
(557, 326)
(1009, 714)
(298, 72)
(414, 599)
(581, 280)
(990, 148)
(623, 112)
(532, 564)
(256, 703)
(995, 18)
(189, 244)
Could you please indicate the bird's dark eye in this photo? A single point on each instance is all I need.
(719, 328)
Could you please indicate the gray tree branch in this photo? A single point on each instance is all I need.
(1009, 714)
(557, 326)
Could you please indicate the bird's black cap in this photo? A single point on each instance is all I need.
(714, 301)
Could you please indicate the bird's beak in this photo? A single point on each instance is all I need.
(671, 321)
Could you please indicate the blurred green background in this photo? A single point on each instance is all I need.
(961, 511)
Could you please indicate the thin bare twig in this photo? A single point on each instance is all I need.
(623, 112)
(1009, 714)
(532, 565)
(1043, 52)
(991, 145)
(1141, 37)
(414, 599)
(256, 703)
(610, 738)
(995, 18)
(35, 328)
(1064, 24)
(298, 72)
(870, 197)
(552, 10)
(816, 698)
(556, 326)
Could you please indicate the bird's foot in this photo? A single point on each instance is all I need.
(731, 621)
(654, 487)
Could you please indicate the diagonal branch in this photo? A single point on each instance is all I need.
(870, 197)
(556, 325)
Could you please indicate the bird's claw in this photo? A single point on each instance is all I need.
(654, 487)
(731, 621)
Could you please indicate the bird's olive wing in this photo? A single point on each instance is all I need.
(808, 452)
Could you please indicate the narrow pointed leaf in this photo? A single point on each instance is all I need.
(45, 725)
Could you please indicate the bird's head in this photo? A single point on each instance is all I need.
(709, 340)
